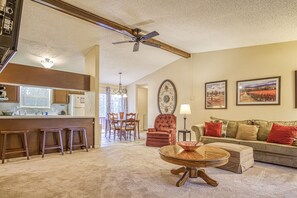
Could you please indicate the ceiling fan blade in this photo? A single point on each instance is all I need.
(120, 42)
(151, 44)
(136, 47)
(149, 35)
(127, 33)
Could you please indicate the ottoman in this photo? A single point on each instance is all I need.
(241, 157)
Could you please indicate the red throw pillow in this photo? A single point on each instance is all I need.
(213, 129)
(282, 134)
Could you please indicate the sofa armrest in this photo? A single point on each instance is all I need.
(151, 130)
(199, 131)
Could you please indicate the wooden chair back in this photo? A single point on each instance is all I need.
(112, 120)
(131, 116)
(130, 121)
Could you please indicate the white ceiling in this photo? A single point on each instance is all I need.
(192, 25)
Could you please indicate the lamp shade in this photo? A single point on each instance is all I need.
(185, 109)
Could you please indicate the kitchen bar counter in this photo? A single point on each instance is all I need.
(34, 123)
(43, 117)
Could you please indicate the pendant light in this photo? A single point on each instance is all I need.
(121, 92)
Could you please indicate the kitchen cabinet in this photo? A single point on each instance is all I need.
(76, 92)
(34, 123)
(61, 96)
(12, 93)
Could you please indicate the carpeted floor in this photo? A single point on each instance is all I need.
(131, 169)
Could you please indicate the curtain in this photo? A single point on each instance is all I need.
(125, 105)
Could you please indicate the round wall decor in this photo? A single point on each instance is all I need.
(167, 97)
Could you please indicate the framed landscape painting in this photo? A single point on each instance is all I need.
(263, 91)
(216, 95)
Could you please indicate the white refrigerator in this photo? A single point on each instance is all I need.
(76, 105)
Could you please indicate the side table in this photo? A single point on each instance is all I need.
(184, 132)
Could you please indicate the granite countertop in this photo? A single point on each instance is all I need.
(43, 117)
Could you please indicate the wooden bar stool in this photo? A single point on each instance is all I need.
(11, 151)
(59, 142)
(83, 141)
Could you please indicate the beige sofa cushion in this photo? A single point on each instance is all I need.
(247, 132)
(264, 129)
(232, 125)
(271, 147)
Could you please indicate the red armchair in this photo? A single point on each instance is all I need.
(164, 132)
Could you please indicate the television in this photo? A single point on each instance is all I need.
(10, 20)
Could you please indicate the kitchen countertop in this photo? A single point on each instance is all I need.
(43, 117)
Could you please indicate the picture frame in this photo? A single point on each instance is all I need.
(216, 95)
(261, 91)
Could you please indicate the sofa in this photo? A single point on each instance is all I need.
(274, 153)
(164, 131)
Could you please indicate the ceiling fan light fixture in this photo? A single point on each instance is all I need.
(138, 38)
(47, 63)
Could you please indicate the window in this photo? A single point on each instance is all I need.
(116, 104)
(35, 97)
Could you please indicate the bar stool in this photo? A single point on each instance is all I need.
(83, 142)
(59, 144)
(11, 151)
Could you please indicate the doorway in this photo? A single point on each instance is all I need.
(142, 106)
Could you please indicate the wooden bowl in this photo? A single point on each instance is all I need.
(189, 145)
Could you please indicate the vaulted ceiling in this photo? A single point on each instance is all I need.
(191, 25)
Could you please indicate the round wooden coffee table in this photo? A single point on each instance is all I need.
(193, 162)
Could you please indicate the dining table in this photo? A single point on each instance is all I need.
(122, 121)
(121, 124)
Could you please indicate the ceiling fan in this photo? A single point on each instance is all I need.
(137, 38)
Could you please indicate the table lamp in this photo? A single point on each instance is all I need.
(184, 110)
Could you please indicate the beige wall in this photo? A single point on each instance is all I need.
(132, 98)
(142, 107)
(190, 75)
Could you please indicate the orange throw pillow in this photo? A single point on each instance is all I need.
(282, 134)
(213, 129)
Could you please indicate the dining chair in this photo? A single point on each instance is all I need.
(130, 124)
(113, 124)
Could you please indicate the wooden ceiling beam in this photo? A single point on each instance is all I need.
(102, 22)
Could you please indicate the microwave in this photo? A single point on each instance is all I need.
(10, 20)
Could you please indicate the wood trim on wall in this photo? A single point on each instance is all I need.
(27, 75)
(72, 10)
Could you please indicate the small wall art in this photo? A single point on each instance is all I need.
(216, 95)
(167, 97)
(262, 91)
